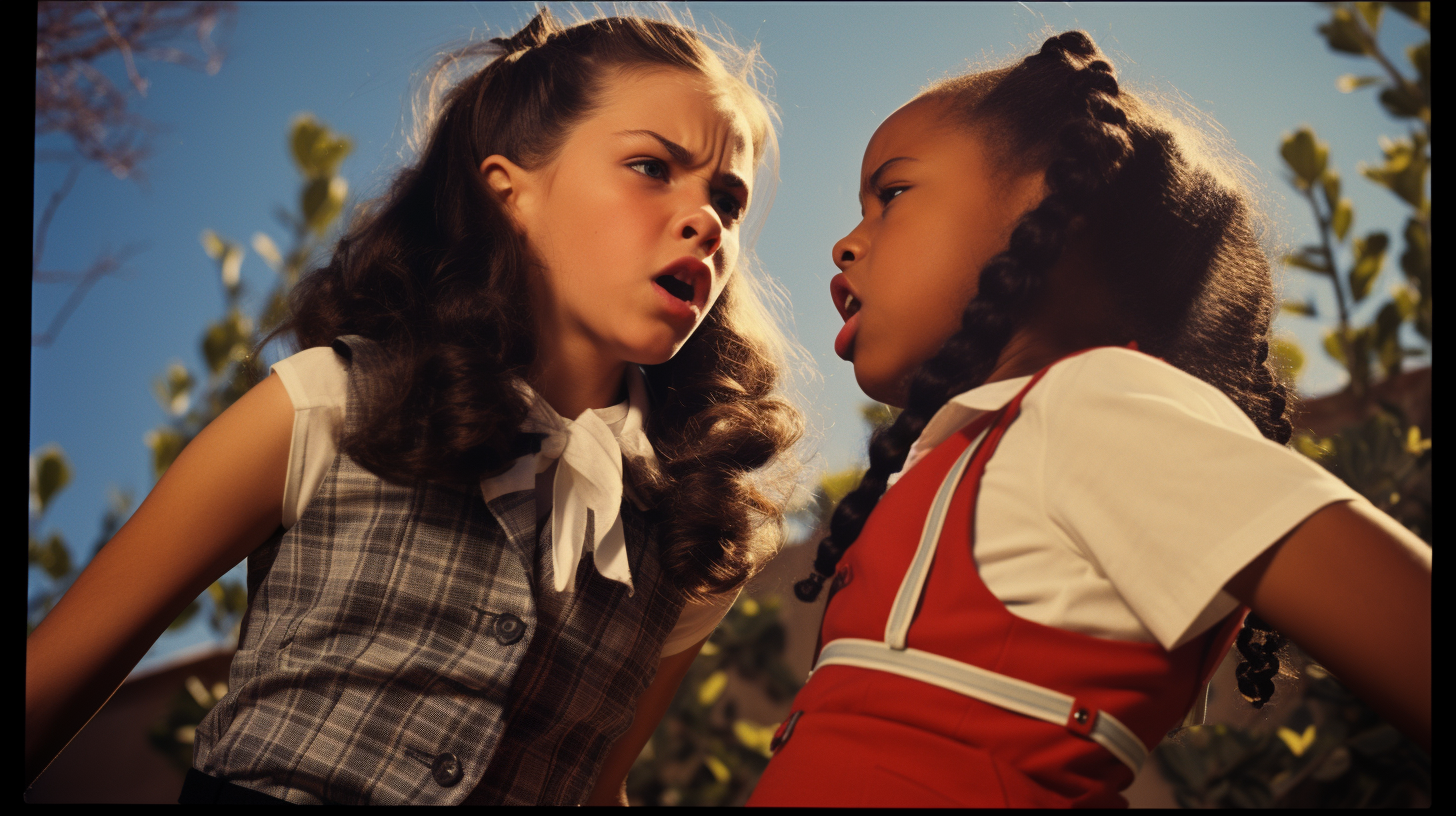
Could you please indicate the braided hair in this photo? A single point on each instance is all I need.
(1174, 241)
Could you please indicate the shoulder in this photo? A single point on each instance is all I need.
(1122, 385)
(314, 378)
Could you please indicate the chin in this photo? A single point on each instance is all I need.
(646, 354)
(892, 391)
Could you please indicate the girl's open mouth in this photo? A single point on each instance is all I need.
(684, 285)
(676, 288)
(848, 306)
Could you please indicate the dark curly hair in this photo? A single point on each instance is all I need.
(434, 272)
(1176, 243)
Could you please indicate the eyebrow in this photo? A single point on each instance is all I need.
(874, 180)
(683, 156)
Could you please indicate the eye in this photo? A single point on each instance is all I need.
(729, 205)
(885, 195)
(651, 168)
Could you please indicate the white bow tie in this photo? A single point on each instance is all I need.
(588, 479)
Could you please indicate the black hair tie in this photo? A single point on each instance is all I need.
(808, 589)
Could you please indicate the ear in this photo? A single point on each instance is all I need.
(506, 180)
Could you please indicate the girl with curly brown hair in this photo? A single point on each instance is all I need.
(528, 454)
(1059, 537)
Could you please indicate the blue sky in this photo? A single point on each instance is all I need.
(220, 161)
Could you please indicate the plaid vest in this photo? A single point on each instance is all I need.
(405, 645)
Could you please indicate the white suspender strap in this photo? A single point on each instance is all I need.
(989, 687)
(902, 612)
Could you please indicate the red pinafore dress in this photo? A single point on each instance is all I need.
(928, 692)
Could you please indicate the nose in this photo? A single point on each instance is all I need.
(701, 226)
(847, 250)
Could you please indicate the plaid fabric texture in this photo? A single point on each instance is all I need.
(405, 645)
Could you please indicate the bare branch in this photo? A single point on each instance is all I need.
(73, 98)
(105, 265)
(46, 216)
(122, 45)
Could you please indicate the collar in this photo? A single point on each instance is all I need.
(959, 412)
(588, 457)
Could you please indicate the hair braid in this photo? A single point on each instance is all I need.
(1259, 644)
(1094, 145)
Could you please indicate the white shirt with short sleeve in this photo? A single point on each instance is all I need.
(317, 384)
(1126, 495)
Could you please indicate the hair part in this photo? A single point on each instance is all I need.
(435, 272)
(1173, 241)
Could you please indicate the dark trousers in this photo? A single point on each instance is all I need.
(202, 789)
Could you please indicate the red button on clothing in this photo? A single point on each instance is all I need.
(1082, 718)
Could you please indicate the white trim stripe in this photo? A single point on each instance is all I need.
(987, 686)
(902, 612)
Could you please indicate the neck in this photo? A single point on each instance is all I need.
(1027, 353)
(573, 377)
(1077, 313)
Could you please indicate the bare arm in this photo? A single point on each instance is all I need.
(1352, 587)
(611, 788)
(219, 500)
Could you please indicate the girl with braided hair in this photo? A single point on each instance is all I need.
(518, 472)
(1058, 537)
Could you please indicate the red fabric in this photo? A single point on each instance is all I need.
(868, 737)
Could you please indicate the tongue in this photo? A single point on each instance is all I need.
(844, 342)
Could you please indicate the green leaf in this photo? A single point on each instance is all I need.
(1404, 171)
(1420, 57)
(1406, 300)
(1350, 82)
(322, 201)
(1342, 218)
(1334, 347)
(1343, 32)
(232, 267)
(217, 345)
(226, 341)
(1316, 448)
(1419, 12)
(317, 150)
(1416, 260)
(305, 132)
(53, 557)
(1402, 103)
(755, 737)
(174, 389)
(1369, 257)
(712, 688)
(1303, 309)
(212, 245)
(165, 443)
(50, 471)
(267, 250)
(878, 414)
(1387, 338)
(1305, 155)
(1287, 358)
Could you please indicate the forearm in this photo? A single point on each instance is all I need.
(1353, 589)
(75, 660)
(214, 505)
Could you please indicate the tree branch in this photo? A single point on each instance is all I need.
(46, 216)
(103, 266)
